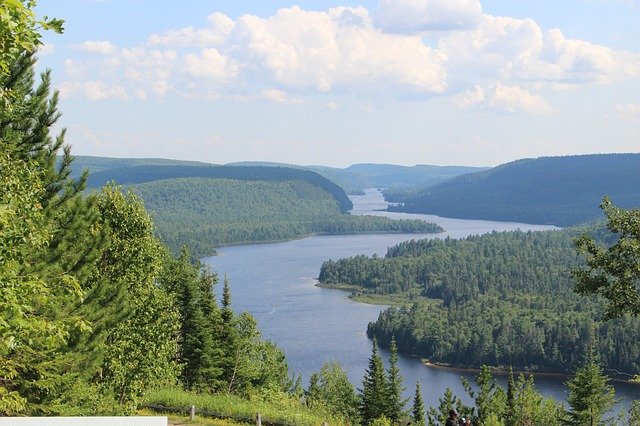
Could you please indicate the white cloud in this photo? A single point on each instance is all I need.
(99, 47)
(342, 50)
(220, 27)
(410, 16)
(517, 50)
(504, 98)
(279, 96)
(94, 90)
(211, 64)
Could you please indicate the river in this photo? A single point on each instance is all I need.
(276, 284)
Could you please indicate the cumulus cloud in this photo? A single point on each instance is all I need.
(410, 16)
(99, 47)
(346, 50)
(505, 98)
(94, 90)
(279, 96)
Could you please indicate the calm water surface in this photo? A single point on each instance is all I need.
(276, 284)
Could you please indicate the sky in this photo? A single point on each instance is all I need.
(443, 82)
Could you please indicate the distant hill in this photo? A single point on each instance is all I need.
(141, 174)
(368, 175)
(561, 191)
(99, 164)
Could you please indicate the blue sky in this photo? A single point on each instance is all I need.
(447, 82)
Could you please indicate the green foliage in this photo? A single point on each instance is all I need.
(508, 295)
(439, 415)
(590, 396)
(140, 348)
(490, 399)
(19, 30)
(200, 350)
(395, 402)
(530, 408)
(563, 191)
(273, 405)
(330, 389)
(226, 211)
(613, 272)
(417, 411)
(373, 395)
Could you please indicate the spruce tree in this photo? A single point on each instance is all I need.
(511, 400)
(373, 395)
(395, 403)
(417, 412)
(590, 396)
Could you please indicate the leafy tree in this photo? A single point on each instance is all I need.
(330, 388)
(20, 30)
(373, 395)
(634, 413)
(417, 412)
(613, 272)
(140, 348)
(395, 402)
(590, 397)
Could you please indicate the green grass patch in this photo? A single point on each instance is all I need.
(273, 406)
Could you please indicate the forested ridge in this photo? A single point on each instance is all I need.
(228, 211)
(149, 173)
(562, 191)
(501, 299)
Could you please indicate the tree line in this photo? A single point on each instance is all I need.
(501, 299)
(230, 211)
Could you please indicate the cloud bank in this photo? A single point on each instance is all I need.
(406, 49)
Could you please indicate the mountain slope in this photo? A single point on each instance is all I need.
(557, 190)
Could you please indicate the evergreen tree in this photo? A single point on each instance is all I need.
(395, 402)
(511, 399)
(199, 350)
(417, 412)
(373, 395)
(438, 415)
(490, 398)
(590, 397)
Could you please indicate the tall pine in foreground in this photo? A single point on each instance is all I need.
(373, 395)
(590, 396)
(395, 403)
(199, 352)
(417, 411)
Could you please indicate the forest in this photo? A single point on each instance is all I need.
(230, 211)
(501, 299)
(562, 191)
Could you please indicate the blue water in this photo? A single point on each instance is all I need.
(276, 284)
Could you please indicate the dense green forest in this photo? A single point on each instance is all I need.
(501, 299)
(225, 211)
(562, 191)
(141, 174)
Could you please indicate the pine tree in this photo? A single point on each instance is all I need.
(199, 350)
(417, 412)
(590, 397)
(395, 402)
(373, 395)
(511, 400)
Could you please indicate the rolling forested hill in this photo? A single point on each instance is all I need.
(501, 299)
(562, 191)
(205, 213)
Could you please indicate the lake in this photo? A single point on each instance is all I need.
(276, 284)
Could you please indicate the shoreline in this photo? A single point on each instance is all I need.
(500, 372)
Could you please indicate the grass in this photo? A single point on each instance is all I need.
(273, 406)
